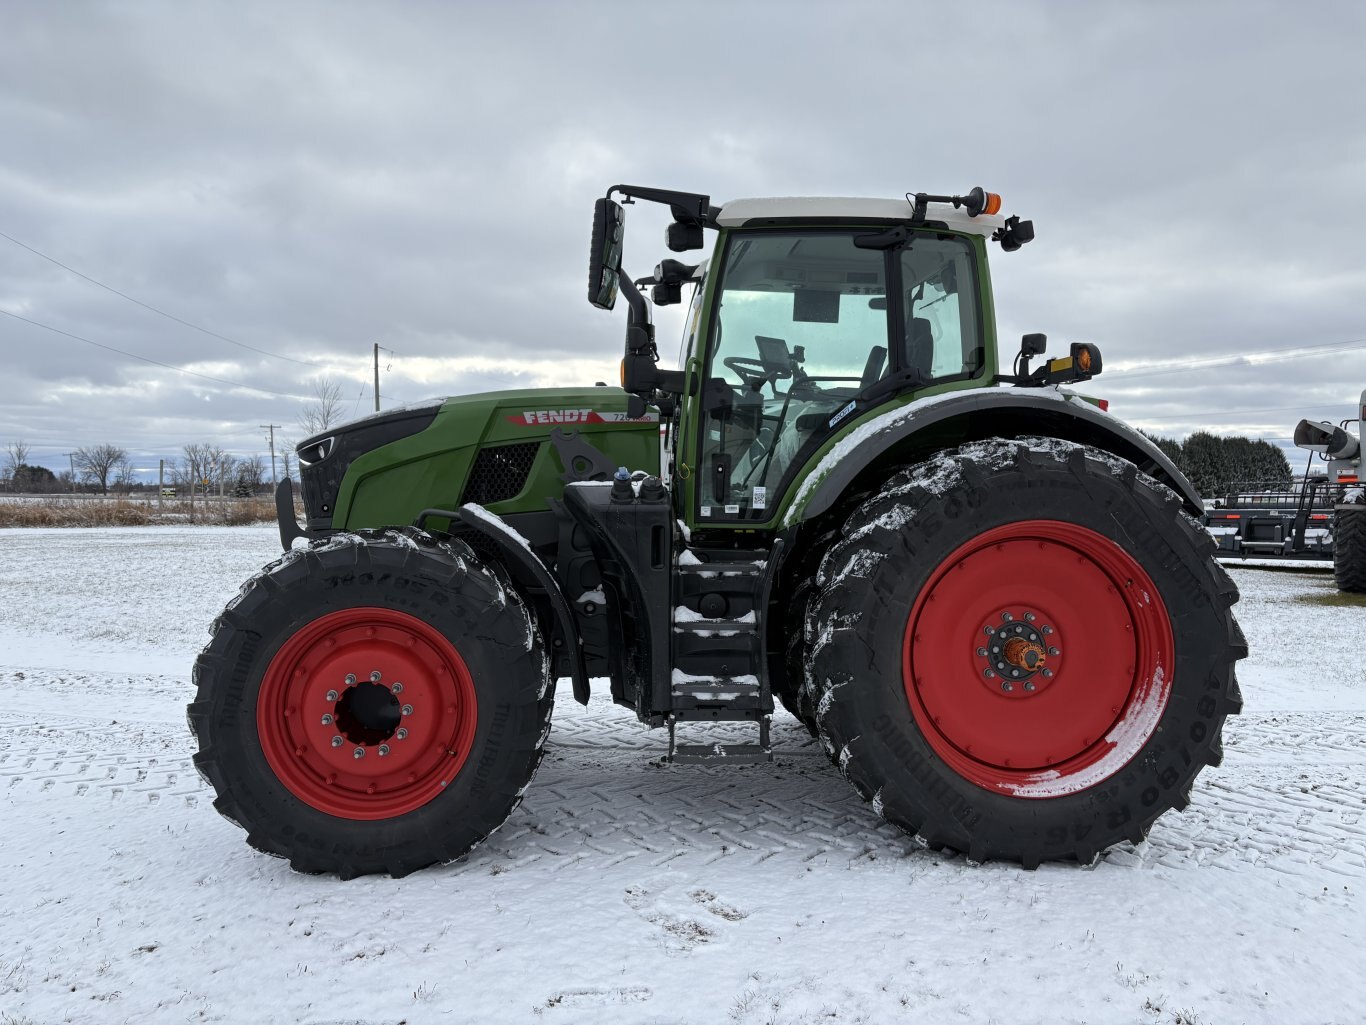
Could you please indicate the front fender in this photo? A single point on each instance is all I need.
(910, 433)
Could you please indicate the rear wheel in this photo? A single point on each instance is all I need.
(1349, 548)
(375, 703)
(1023, 651)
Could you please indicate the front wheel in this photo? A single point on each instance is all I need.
(1023, 650)
(375, 703)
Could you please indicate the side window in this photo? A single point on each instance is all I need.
(942, 334)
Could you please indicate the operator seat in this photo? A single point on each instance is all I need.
(919, 351)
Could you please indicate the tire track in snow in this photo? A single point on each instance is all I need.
(1287, 797)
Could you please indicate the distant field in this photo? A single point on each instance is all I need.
(130, 511)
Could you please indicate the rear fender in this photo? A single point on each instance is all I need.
(872, 449)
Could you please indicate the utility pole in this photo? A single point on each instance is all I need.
(71, 457)
(377, 377)
(272, 428)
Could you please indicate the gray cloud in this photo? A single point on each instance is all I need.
(312, 178)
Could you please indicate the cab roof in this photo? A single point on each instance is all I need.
(778, 209)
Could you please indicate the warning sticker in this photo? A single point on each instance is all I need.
(760, 498)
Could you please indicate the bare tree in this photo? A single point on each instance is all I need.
(192, 469)
(251, 471)
(16, 460)
(325, 409)
(95, 463)
(124, 475)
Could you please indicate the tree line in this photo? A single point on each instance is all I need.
(1216, 464)
(201, 468)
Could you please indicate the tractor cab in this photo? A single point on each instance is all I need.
(810, 313)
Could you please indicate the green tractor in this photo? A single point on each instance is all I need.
(991, 601)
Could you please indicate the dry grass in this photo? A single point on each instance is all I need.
(119, 512)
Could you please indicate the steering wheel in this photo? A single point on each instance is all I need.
(754, 372)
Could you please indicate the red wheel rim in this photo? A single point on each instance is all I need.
(394, 692)
(1038, 659)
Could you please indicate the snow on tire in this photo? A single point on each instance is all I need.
(1023, 650)
(1349, 548)
(377, 702)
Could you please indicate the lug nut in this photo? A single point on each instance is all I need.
(375, 676)
(1054, 651)
(1006, 617)
(332, 695)
(383, 750)
(1048, 674)
(989, 673)
(1014, 672)
(1029, 685)
(407, 709)
(402, 734)
(1047, 630)
(397, 688)
(336, 741)
(327, 719)
(358, 753)
(350, 678)
(982, 652)
(1030, 617)
(988, 630)
(1007, 686)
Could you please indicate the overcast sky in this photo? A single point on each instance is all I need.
(309, 179)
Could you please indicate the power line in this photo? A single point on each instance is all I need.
(163, 313)
(145, 359)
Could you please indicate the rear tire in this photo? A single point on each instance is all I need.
(1023, 651)
(339, 770)
(1349, 549)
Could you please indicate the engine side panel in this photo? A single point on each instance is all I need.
(492, 449)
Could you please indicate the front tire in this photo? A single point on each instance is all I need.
(1023, 651)
(377, 702)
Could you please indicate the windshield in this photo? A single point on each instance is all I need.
(803, 325)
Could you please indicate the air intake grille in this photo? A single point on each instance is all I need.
(500, 473)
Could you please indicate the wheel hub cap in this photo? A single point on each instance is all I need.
(366, 713)
(1038, 658)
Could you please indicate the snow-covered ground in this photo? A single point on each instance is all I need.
(624, 891)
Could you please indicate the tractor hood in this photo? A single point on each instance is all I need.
(493, 449)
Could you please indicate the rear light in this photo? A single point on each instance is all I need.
(1319, 516)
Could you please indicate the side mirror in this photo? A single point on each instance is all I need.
(604, 258)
